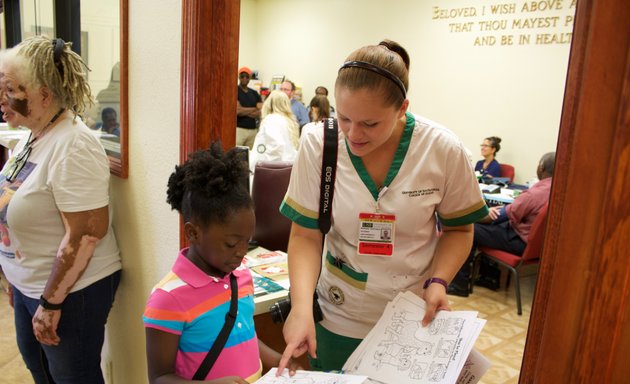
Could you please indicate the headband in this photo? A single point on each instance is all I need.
(376, 69)
(58, 46)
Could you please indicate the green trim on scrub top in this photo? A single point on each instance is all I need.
(403, 146)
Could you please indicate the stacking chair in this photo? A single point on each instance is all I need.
(507, 170)
(513, 262)
(271, 180)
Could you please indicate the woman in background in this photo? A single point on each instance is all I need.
(58, 247)
(278, 135)
(319, 109)
(489, 167)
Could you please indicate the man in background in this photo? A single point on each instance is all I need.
(299, 110)
(506, 228)
(248, 109)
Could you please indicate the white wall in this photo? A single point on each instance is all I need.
(147, 229)
(514, 92)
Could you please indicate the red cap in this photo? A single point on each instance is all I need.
(246, 70)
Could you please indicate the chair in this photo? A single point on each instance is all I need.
(513, 262)
(271, 180)
(507, 171)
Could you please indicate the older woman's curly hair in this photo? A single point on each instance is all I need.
(63, 72)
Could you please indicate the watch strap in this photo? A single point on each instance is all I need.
(50, 306)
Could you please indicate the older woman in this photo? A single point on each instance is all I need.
(58, 249)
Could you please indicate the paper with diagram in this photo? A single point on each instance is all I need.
(400, 350)
(309, 377)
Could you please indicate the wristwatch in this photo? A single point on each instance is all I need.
(50, 306)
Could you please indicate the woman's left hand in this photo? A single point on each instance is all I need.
(435, 297)
(45, 324)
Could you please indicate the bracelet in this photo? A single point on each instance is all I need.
(50, 306)
(435, 280)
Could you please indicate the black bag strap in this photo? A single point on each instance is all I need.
(219, 343)
(329, 168)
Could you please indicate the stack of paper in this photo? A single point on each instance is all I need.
(399, 350)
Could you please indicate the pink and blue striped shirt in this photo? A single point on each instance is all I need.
(189, 303)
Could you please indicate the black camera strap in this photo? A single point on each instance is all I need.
(219, 343)
(329, 168)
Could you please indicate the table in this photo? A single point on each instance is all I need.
(505, 196)
(267, 331)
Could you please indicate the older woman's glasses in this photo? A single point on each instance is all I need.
(485, 145)
(20, 161)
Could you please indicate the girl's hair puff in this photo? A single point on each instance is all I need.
(209, 186)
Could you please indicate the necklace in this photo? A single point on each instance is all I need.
(43, 131)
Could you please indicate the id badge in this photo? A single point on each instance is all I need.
(376, 234)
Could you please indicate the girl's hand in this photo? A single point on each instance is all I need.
(435, 297)
(293, 365)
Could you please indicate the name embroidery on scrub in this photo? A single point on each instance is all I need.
(376, 232)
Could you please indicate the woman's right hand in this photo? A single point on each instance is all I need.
(10, 293)
(299, 335)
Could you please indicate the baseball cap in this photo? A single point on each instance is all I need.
(246, 70)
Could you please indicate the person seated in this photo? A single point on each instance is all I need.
(109, 122)
(489, 167)
(506, 228)
(278, 135)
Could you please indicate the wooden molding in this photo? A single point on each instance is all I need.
(577, 328)
(208, 75)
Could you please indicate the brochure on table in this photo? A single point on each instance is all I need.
(270, 274)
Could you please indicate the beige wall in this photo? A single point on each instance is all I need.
(147, 229)
(514, 92)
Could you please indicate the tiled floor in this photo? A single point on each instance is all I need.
(502, 339)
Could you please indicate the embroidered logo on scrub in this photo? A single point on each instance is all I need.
(421, 192)
(335, 294)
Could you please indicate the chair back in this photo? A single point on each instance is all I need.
(536, 236)
(271, 180)
(507, 170)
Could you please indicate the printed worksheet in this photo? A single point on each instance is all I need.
(309, 377)
(400, 350)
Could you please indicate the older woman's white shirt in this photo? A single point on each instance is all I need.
(273, 141)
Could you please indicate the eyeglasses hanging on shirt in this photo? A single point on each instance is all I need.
(20, 160)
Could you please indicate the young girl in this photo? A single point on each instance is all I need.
(187, 309)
